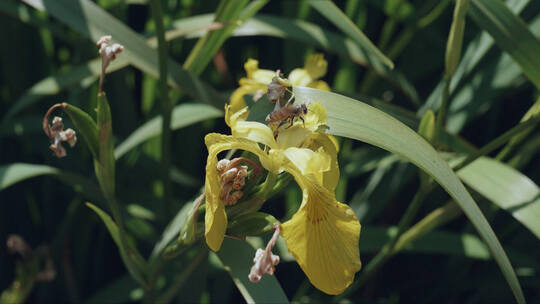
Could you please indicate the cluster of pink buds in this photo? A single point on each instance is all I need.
(233, 178)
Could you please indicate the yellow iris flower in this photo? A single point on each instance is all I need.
(323, 234)
(258, 79)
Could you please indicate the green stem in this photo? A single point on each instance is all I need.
(387, 251)
(435, 219)
(403, 40)
(441, 115)
(499, 141)
(172, 291)
(166, 105)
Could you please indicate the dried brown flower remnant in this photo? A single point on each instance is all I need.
(108, 53)
(233, 178)
(57, 134)
(265, 261)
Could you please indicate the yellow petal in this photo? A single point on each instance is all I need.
(316, 65)
(320, 85)
(260, 75)
(329, 144)
(323, 237)
(237, 97)
(255, 131)
(293, 136)
(308, 161)
(315, 117)
(300, 78)
(215, 217)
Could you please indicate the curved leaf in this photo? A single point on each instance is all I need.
(237, 259)
(353, 119)
(511, 34)
(182, 115)
(93, 22)
(507, 188)
(17, 172)
(331, 12)
(14, 173)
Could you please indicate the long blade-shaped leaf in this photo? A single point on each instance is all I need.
(507, 188)
(88, 19)
(353, 119)
(182, 115)
(237, 258)
(476, 50)
(17, 172)
(134, 263)
(511, 34)
(209, 44)
(330, 11)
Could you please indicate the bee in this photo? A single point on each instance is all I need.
(287, 113)
(277, 89)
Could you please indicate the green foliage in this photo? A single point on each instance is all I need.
(450, 87)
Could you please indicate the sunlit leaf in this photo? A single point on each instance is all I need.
(353, 119)
(182, 115)
(237, 258)
(506, 187)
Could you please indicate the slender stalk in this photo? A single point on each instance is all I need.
(499, 141)
(403, 40)
(166, 105)
(441, 114)
(435, 219)
(179, 281)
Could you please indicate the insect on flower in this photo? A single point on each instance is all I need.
(287, 113)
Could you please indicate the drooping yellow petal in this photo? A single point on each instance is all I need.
(323, 237)
(329, 144)
(215, 217)
(316, 65)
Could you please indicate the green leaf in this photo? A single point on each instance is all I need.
(437, 242)
(133, 261)
(104, 165)
(474, 54)
(121, 290)
(204, 50)
(511, 34)
(506, 187)
(88, 19)
(237, 258)
(353, 119)
(182, 115)
(84, 125)
(331, 12)
(17, 172)
(172, 230)
(261, 25)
